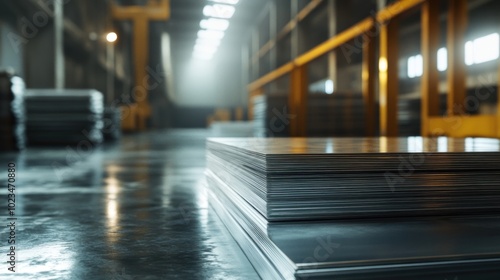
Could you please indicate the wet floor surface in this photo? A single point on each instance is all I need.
(136, 209)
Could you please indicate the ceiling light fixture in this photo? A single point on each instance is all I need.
(208, 42)
(205, 49)
(219, 11)
(111, 37)
(215, 24)
(230, 2)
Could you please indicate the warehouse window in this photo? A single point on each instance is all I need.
(442, 59)
(415, 66)
(482, 49)
(329, 86)
(478, 51)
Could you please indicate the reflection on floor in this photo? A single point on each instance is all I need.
(132, 210)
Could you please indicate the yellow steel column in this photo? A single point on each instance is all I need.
(430, 76)
(457, 23)
(368, 73)
(140, 16)
(141, 51)
(298, 102)
(388, 79)
(498, 105)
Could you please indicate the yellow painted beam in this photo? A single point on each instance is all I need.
(155, 10)
(464, 126)
(298, 102)
(389, 79)
(430, 76)
(498, 104)
(283, 70)
(334, 42)
(140, 16)
(397, 8)
(368, 75)
(457, 24)
(359, 29)
(141, 53)
(288, 28)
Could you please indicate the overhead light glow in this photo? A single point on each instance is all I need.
(231, 2)
(382, 64)
(219, 11)
(210, 34)
(202, 56)
(214, 24)
(208, 42)
(111, 37)
(203, 48)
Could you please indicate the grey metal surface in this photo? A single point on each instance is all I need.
(64, 116)
(427, 229)
(132, 210)
(293, 179)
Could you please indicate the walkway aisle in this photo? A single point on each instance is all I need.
(133, 210)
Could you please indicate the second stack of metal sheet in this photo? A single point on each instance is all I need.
(58, 117)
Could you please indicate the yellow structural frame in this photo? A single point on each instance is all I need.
(455, 124)
(140, 16)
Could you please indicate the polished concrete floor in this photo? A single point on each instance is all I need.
(136, 209)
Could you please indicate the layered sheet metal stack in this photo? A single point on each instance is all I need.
(339, 114)
(60, 117)
(361, 208)
(268, 115)
(12, 113)
(409, 114)
(112, 120)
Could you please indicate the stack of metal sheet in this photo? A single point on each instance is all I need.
(360, 208)
(339, 114)
(12, 113)
(60, 117)
(268, 115)
(409, 114)
(112, 119)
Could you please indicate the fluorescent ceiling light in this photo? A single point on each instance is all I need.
(219, 11)
(214, 24)
(210, 34)
(202, 56)
(231, 2)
